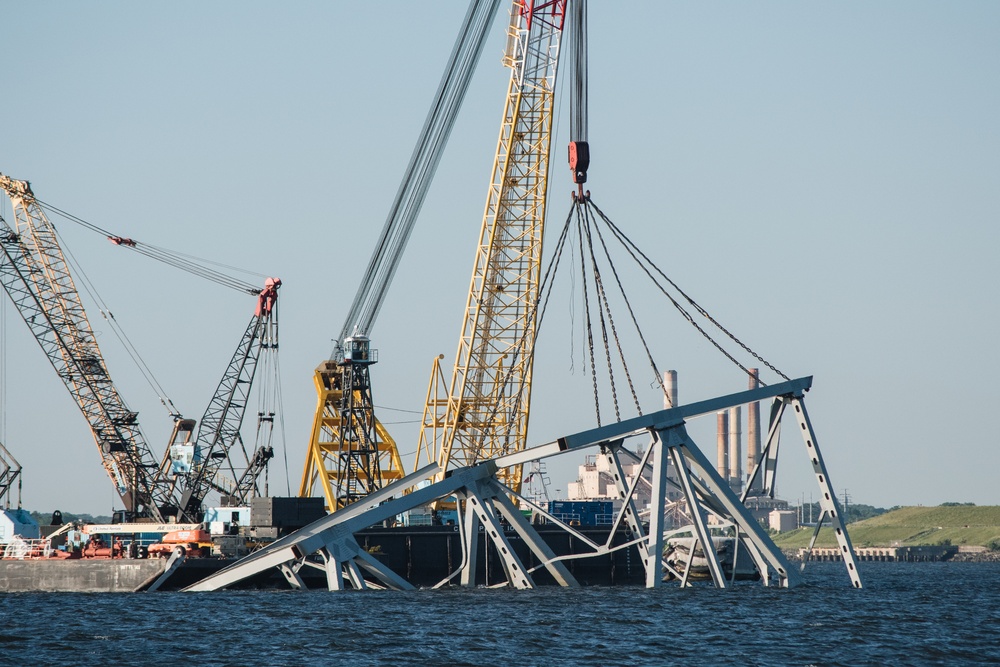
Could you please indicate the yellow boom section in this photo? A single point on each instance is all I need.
(484, 412)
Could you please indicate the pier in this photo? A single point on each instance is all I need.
(886, 554)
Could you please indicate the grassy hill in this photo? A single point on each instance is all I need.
(911, 526)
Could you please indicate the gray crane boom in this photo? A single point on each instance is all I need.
(419, 172)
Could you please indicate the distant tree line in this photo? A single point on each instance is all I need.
(45, 518)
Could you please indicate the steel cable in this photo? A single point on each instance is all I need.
(420, 171)
(633, 250)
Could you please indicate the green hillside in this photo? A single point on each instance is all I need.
(911, 526)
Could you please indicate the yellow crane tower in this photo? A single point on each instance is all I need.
(483, 412)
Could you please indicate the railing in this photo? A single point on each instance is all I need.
(20, 549)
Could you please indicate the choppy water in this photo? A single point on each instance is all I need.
(908, 614)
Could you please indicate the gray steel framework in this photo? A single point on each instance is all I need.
(219, 428)
(37, 279)
(10, 472)
(329, 543)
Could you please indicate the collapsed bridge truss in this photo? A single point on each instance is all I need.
(330, 545)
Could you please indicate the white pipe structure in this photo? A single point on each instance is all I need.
(735, 448)
(722, 443)
(330, 546)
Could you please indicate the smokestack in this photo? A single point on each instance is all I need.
(753, 434)
(735, 449)
(670, 385)
(722, 419)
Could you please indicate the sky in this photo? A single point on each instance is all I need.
(821, 177)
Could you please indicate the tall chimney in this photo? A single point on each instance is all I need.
(670, 385)
(735, 449)
(722, 418)
(753, 435)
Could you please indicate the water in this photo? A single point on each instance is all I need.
(908, 614)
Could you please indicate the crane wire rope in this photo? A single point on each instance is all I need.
(634, 250)
(185, 262)
(606, 308)
(587, 322)
(116, 329)
(635, 322)
(269, 399)
(197, 266)
(420, 171)
(548, 282)
(281, 422)
(579, 120)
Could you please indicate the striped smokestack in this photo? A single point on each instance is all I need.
(753, 434)
(670, 389)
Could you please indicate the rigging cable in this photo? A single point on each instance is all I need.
(106, 313)
(635, 323)
(606, 306)
(589, 328)
(633, 249)
(420, 170)
(183, 261)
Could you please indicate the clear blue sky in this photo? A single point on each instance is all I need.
(823, 177)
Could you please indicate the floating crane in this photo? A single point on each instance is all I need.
(37, 278)
(482, 413)
(196, 462)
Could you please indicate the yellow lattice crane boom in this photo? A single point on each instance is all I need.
(484, 411)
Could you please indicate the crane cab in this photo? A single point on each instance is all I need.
(357, 350)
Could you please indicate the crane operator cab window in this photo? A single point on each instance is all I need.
(357, 348)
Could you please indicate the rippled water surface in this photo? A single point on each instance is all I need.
(908, 614)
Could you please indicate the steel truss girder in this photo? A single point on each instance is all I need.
(704, 489)
(488, 501)
(477, 499)
(829, 505)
